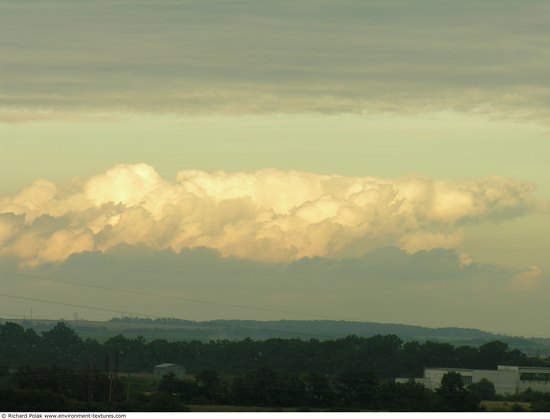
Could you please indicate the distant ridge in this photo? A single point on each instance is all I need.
(178, 329)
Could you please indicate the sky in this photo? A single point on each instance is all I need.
(383, 161)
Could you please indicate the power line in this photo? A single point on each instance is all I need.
(171, 297)
(12, 314)
(143, 293)
(158, 317)
(39, 300)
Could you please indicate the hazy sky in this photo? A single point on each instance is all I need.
(374, 160)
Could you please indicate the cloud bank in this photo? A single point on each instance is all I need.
(429, 287)
(235, 57)
(267, 215)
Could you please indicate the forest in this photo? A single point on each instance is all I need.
(58, 370)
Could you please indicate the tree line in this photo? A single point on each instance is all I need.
(348, 373)
(59, 389)
(386, 357)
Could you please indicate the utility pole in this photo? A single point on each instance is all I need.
(128, 388)
(110, 377)
(91, 382)
(116, 372)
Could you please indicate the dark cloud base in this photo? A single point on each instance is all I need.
(429, 288)
(387, 263)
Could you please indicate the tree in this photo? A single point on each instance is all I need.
(494, 353)
(358, 388)
(319, 390)
(483, 390)
(404, 397)
(62, 345)
(18, 345)
(266, 387)
(451, 396)
(31, 401)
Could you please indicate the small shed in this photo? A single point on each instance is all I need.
(164, 369)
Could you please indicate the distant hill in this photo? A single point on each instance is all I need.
(176, 329)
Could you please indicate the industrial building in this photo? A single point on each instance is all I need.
(506, 379)
(164, 369)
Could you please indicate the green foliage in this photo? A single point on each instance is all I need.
(540, 406)
(358, 388)
(353, 373)
(452, 383)
(385, 356)
(530, 395)
(483, 390)
(31, 401)
(73, 384)
(156, 402)
(452, 396)
(17, 343)
(320, 391)
(406, 397)
(169, 384)
(267, 387)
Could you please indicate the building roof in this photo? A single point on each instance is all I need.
(166, 365)
(451, 369)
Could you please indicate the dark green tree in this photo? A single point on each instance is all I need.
(483, 389)
(18, 345)
(357, 388)
(404, 397)
(540, 406)
(320, 390)
(266, 387)
(494, 353)
(452, 396)
(209, 385)
(62, 346)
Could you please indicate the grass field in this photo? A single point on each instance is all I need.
(143, 383)
(504, 406)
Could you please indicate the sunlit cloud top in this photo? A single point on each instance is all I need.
(267, 215)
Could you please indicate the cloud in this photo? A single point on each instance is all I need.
(424, 240)
(267, 215)
(527, 280)
(139, 263)
(290, 57)
(387, 285)
(391, 263)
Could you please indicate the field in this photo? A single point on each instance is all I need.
(503, 406)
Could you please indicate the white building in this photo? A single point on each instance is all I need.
(507, 379)
(164, 369)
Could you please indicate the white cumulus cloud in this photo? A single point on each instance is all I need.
(267, 215)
